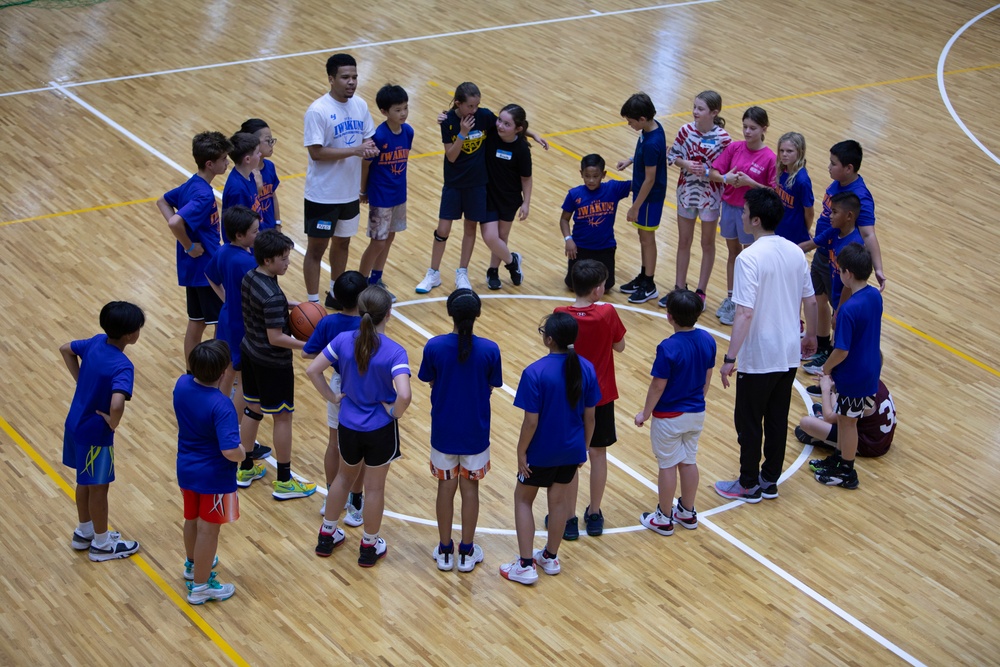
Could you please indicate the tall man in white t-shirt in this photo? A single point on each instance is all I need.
(771, 283)
(338, 131)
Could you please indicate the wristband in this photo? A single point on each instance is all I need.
(568, 238)
(726, 359)
(392, 411)
(724, 179)
(362, 193)
(277, 222)
(188, 251)
(460, 137)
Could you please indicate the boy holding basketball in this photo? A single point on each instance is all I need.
(268, 375)
(208, 449)
(104, 377)
(193, 218)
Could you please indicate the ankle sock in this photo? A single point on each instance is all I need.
(547, 554)
(329, 527)
(527, 562)
(848, 464)
(102, 540)
(374, 277)
(464, 548)
(285, 471)
(247, 463)
(368, 540)
(446, 548)
(822, 343)
(312, 297)
(86, 529)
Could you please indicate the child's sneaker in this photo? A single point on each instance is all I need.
(644, 292)
(81, 542)
(189, 568)
(328, 542)
(382, 285)
(371, 553)
(115, 548)
(293, 488)
(445, 559)
(462, 279)
(515, 269)
(632, 285)
(768, 490)
(735, 491)
(493, 279)
(354, 517)
(595, 522)
(727, 314)
(514, 571)
(724, 306)
(822, 465)
(430, 281)
(658, 522)
(213, 590)
(840, 475)
(814, 390)
(815, 364)
(467, 561)
(686, 518)
(704, 299)
(259, 451)
(572, 530)
(548, 565)
(246, 477)
(332, 303)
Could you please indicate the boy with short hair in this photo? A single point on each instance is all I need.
(266, 177)
(346, 289)
(241, 188)
(682, 372)
(104, 378)
(649, 189)
(593, 207)
(601, 334)
(854, 362)
(268, 375)
(208, 449)
(845, 161)
(383, 181)
(193, 218)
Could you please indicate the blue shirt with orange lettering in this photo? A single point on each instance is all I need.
(240, 191)
(594, 213)
(387, 174)
(866, 217)
(469, 168)
(195, 203)
(269, 176)
(796, 199)
(831, 243)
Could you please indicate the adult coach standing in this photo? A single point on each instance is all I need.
(771, 282)
(337, 133)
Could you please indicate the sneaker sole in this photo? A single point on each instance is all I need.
(682, 522)
(292, 496)
(425, 291)
(352, 523)
(378, 557)
(769, 496)
(751, 501)
(100, 558)
(525, 582)
(322, 554)
(650, 297)
(211, 599)
(645, 521)
(247, 483)
(813, 370)
(469, 568)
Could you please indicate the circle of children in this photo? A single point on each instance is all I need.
(759, 200)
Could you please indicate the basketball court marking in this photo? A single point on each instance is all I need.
(944, 93)
(362, 45)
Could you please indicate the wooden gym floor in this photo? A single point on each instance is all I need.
(97, 108)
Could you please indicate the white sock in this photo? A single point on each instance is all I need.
(86, 529)
(331, 286)
(102, 540)
(369, 539)
(329, 527)
(313, 297)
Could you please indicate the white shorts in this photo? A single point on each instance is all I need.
(347, 228)
(333, 409)
(675, 439)
(449, 466)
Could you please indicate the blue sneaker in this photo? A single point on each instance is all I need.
(595, 522)
(735, 491)
(572, 530)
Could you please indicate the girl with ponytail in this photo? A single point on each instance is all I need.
(375, 381)
(462, 370)
(558, 394)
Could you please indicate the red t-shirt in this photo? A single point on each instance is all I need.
(875, 431)
(600, 328)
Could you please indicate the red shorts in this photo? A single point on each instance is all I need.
(211, 507)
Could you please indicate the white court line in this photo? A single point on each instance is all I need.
(362, 45)
(708, 523)
(944, 93)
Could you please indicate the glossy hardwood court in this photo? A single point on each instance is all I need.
(97, 108)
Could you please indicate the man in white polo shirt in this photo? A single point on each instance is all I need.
(771, 283)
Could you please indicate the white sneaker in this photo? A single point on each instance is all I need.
(430, 281)
(468, 562)
(354, 517)
(445, 561)
(322, 508)
(213, 590)
(462, 279)
(513, 571)
(548, 565)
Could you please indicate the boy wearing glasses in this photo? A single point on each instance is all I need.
(266, 176)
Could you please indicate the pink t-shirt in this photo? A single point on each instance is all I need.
(759, 165)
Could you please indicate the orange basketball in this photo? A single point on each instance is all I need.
(304, 318)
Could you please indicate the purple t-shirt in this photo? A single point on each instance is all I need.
(361, 408)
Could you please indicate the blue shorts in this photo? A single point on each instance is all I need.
(468, 203)
(94, 465)
(731, 224)
(649, 215)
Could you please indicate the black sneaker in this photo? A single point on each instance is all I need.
(631, 285)
(332, 303)
(840, 475)
(643, 293)
(768, 490)
(493, 279)
(516, 274)
(259, 451)
(572, 530)
(327, 543)
(814, 391)
(662, 303)
(371, 553)
(822, 465)
(818, 410)
(595, 522)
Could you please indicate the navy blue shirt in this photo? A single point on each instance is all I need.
(859, 331)
(651, 151)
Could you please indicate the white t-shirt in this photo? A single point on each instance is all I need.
(772, 277)
(334, 124)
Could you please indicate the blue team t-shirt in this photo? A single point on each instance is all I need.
(594, 213)
(227, 269)
(859, 331)
(469, 168)
(270, 180)
(195, 203)
(328, 329)
(460, 393)
(104, 371)
(795, 199)
(651, 151)
(832, 243)
(867, 215)
(240, 191)
(682, 360)
(387, 174)
(206, 425)
(559, 438)
(361, 408)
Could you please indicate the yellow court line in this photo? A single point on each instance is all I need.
(180, 602)
(941, 344)
(102, 207)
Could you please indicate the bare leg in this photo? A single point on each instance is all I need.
(734, 247)
(598, 477)
(98, 505)
(437, 250)
(685, 236)
(374, 498)
(690, 476)
(205, 549)
(315, 249)
(562, 500)
(524, 520)
(503, 230)
(707, 254)
(470, 508)
(337, 498)
(825, 320)
(666, 485)
(190, 537)
(340, 247)
(282, 437)
(383, 257)
(192, 336)
(249, 427)
(445, 507)
(375, 249)
(331, 460)
(83, 503)
(496, 245)
(847, 437)
(817, 428)
(647, 246)
(468, 243)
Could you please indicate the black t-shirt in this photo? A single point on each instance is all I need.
(506, 164)
(264, 307)
(469, 168)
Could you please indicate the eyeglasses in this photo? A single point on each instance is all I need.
(270, 142)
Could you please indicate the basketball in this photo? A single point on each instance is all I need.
(304, 318)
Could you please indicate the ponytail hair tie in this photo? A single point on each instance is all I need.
(571, 347)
